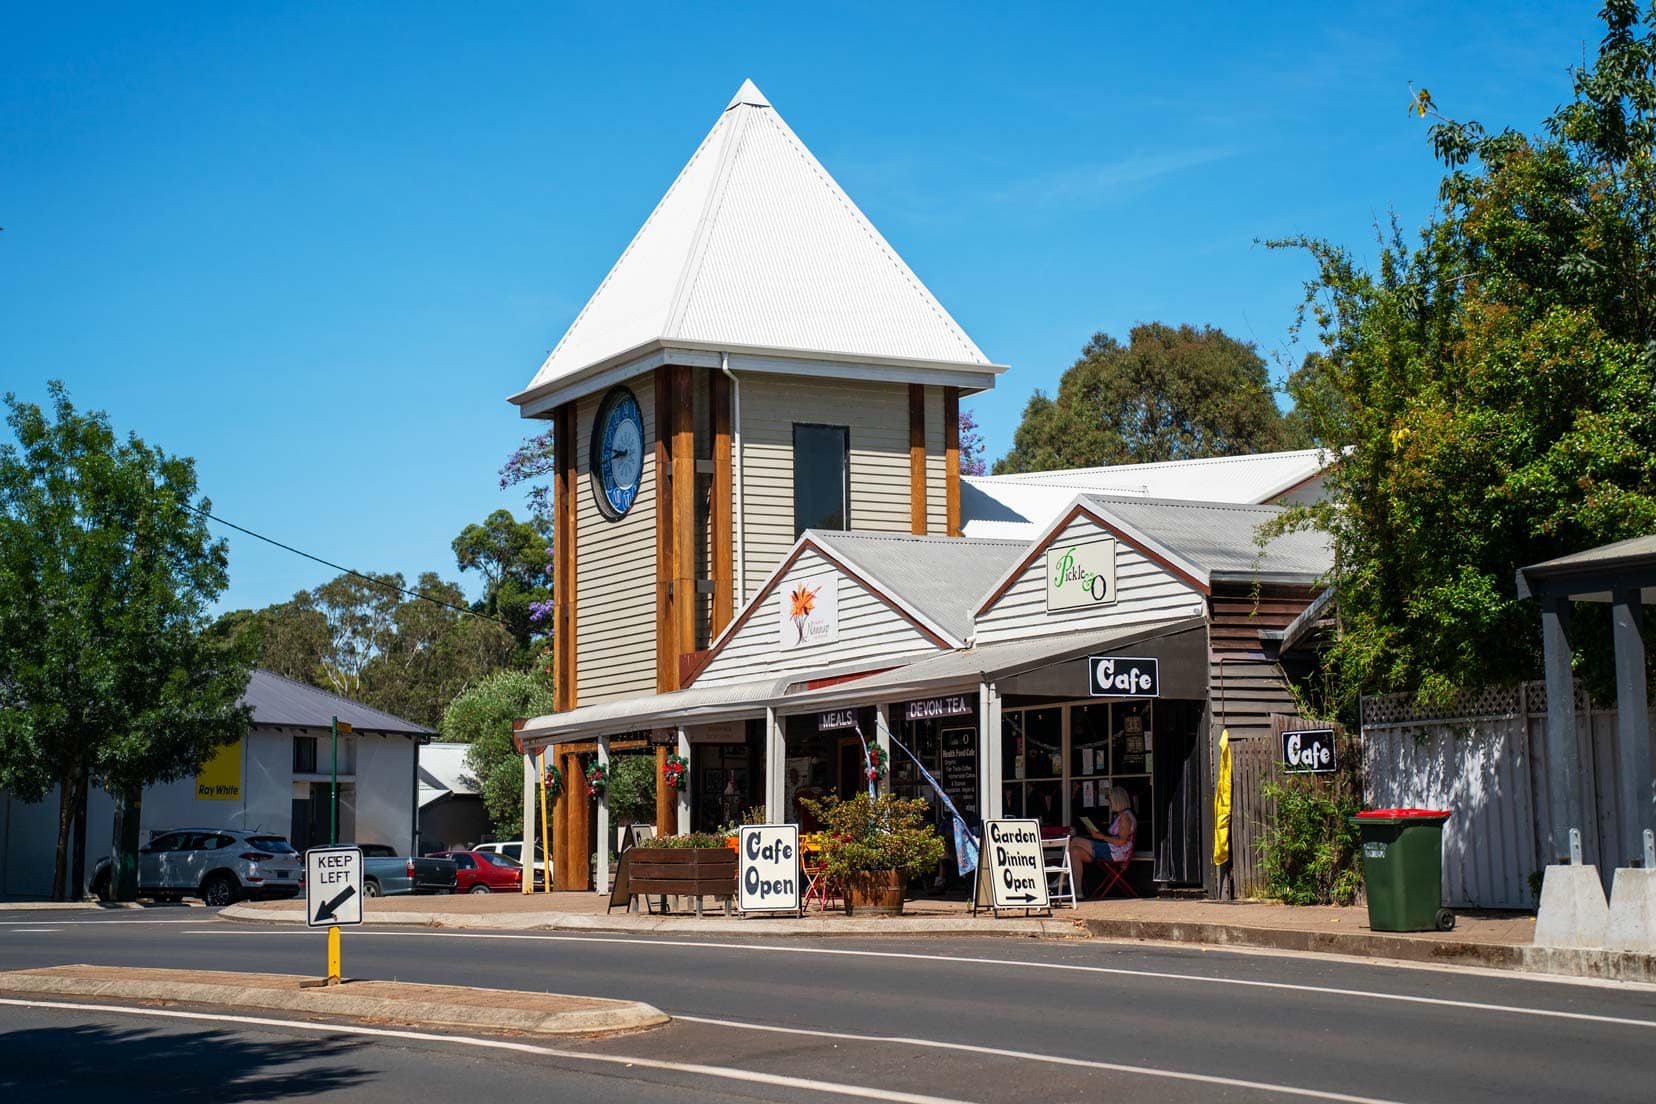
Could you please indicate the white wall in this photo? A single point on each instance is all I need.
(384, 806)
(868, 630)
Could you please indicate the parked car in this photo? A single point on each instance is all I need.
(484, 871)
(513, 849)
(386, 873)
(219, 865)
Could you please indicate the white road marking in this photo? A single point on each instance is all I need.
(765, 948)
(1053, 1059)
(34, 931)
(84, 923)
(861, 1092)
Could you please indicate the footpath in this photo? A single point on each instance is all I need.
(1497, 941)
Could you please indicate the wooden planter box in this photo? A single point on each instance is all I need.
(675, 872)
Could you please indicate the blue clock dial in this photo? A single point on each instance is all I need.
(617, 453)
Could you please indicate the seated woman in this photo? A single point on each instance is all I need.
(1116, 845)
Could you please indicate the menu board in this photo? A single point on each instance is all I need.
(960, 768)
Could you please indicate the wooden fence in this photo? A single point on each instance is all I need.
(1253, 763)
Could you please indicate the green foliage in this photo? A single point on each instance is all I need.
(690, 839)
(1309, 853)
(482, 716)
(632, 789)
(407, 656)
(1168, 394)
(863, 835)
(1493, 382)
(513, 558)
(108, 673)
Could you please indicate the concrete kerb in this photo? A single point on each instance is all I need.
(633, 923)
(342, 1002)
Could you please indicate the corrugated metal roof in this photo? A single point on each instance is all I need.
(443, 767)
(755, 246)
(1020, 506)
(697, 705)
(1218, 537)
(937, 576)
(282, 701)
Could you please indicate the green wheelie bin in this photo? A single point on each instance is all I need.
(1403, 869)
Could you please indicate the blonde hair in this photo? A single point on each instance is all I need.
(1120, 800)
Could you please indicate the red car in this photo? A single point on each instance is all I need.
(483, 872)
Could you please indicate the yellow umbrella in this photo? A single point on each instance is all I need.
(1222, 803)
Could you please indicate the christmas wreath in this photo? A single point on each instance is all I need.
(676, 772)
(554, 782)
(597, 779)
(876, 763)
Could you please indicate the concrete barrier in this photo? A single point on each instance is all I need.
(1632, 921)
(1573, 912)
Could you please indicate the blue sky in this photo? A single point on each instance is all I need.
(315, 246)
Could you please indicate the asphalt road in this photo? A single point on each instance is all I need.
(961, 1019)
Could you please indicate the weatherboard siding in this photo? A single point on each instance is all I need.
(877, 414)
(869, 630)
(1146, 592)
(615, 607)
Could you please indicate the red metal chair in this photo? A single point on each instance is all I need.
(1115, 872)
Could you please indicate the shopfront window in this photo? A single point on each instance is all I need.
(1032, 764)
(1060, 762)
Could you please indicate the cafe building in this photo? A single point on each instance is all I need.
(762, 563)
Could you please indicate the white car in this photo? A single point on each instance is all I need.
(219, 865)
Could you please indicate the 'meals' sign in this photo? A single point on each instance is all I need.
(1117, 677)
(1309, 751)
(1079, 576)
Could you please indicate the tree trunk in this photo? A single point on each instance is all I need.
(77, 885)
(66, 821)
(123, 876)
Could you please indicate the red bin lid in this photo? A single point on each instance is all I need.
(1404, 814)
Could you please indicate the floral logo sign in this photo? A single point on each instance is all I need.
(809, 612)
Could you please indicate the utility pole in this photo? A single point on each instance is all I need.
(337, 727)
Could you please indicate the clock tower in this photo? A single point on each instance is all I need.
(758, 361)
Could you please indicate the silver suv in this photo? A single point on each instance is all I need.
(219, 865)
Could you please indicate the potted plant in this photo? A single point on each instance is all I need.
(872, 846)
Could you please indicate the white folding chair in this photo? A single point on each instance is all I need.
(1060, 878)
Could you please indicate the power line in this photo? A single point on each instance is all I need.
(369, 579)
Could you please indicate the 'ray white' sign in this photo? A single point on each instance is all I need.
(1079, 576)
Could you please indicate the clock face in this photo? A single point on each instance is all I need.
(617, 453)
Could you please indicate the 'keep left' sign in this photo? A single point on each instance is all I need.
(333, 887)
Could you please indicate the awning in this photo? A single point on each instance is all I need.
(966, 668)
(698, 705)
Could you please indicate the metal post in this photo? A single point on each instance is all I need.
(333, 956)
(684, 794)
(882, 738)
(989, 752)
(1649, 849)
(333, 792)
(601, 883)
(528, 833)
(775, 765)
(545, 835)
(1632, 720)
(1562, 751)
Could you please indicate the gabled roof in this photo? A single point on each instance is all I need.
(933, 575)
(1018, 506)
(756, 250)
(1201, 542)
(443, 768)
(282, 701)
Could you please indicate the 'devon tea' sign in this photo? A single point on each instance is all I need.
(809, 612)
(1079, 576)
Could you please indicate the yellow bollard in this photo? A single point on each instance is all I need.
(333, 956)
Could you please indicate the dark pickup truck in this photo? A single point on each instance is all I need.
(386, 873)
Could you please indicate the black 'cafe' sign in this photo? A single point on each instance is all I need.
(1119, 677)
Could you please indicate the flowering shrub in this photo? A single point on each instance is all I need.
(865, 835)
(689, 839)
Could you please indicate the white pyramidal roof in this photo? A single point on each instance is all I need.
(756, 252)
(1019, 506)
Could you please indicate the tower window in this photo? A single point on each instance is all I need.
(822, 477)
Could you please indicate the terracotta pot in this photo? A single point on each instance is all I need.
(875, 893)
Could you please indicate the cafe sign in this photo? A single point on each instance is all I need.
(960, 705)
(809, 612)
(1119, 677)
(1080, 576)
(1309, 751)
(768, 870)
